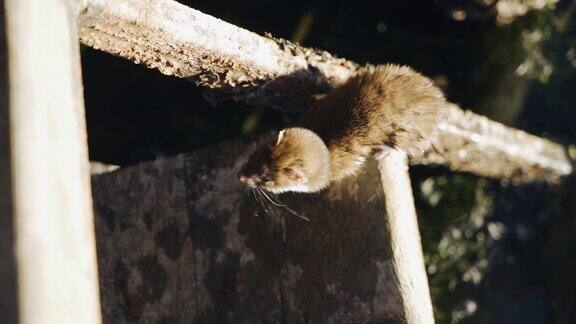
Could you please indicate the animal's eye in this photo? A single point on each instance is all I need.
(265, 178)
(293, 174)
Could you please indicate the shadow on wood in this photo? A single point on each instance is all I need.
(180, 240)
(184, 42)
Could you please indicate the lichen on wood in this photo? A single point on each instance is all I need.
(184, 42)
(179, 239)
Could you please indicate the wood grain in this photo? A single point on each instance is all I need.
(180, 240)
(54, 230)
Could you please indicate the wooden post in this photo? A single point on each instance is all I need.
(52, 214)
(405, 239)
(8, 297)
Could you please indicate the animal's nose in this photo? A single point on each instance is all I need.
(249, 181)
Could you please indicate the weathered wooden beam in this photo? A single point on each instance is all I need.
(180, 240)
(52, 214)
(238, 64)
(405, 245)
(471, 143)
(180, 41)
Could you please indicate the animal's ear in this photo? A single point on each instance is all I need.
(296, 175)
(280, 136)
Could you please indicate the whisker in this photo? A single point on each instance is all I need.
(253, 194)
(269, 199)
(280, 204)
(263, 202)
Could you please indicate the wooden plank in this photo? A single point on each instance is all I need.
(56, 256)
(180, 239)
(241, 65)
(8, 296)
(180, 41)
(405, 238)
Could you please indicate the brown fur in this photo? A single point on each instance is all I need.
(388, 105)
(297, 161)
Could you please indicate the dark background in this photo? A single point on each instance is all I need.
(495, 253)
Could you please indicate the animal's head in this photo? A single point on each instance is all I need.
(297, 160)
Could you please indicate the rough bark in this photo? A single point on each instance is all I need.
(471, 143)
(234, 63)
(52, 206)
(184, 42)
(179, 240)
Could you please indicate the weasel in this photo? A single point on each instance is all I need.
(386, 106)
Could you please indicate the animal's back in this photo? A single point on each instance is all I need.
(402, 107)
(387, 105)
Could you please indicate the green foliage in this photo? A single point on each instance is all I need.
(452, 215)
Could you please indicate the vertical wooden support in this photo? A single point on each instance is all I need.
(405, 239)
(54, 230)
(8, 297)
